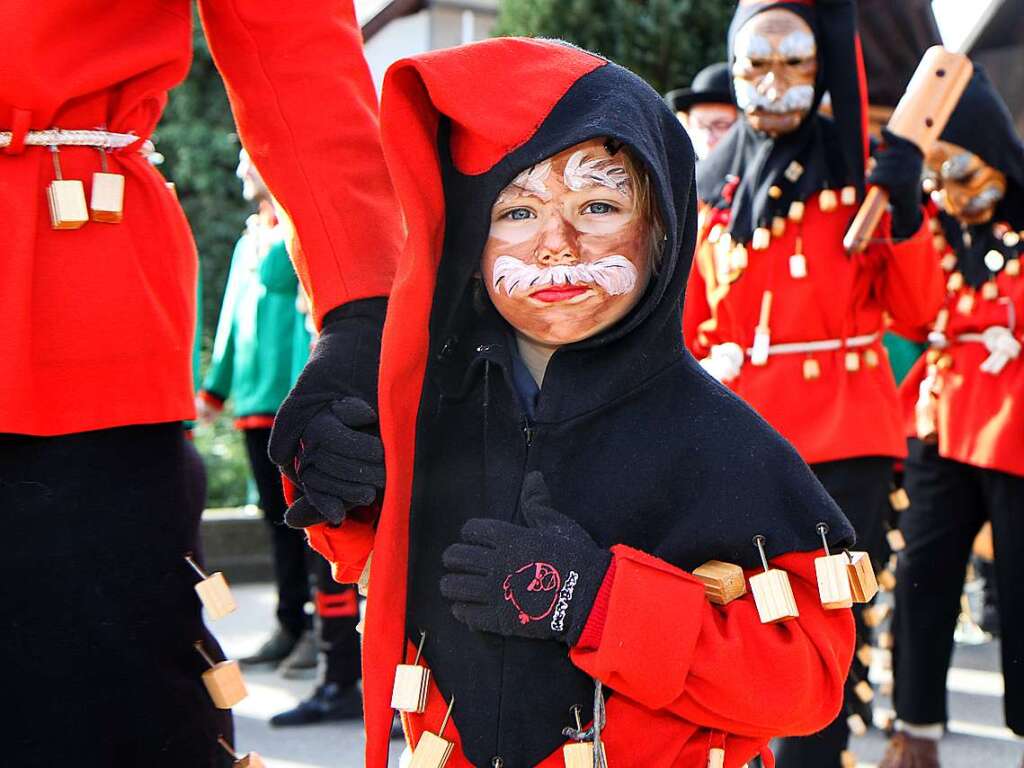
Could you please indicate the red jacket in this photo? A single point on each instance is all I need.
(840, 414)
(98, 322)
(979, 416)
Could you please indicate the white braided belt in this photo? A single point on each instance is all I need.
(998, 340)
(58, 137)
(821, 345)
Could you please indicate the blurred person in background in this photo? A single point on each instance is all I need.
(97, 332)
(706, 109)
(966, 427)
(776, 309)
(259, 336)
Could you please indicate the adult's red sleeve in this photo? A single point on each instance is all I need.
(306, 110)
(666, 647)
(696, 310)
(911, 284)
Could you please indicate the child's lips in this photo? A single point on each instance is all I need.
(556, 293)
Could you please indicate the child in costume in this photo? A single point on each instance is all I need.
(557, 463)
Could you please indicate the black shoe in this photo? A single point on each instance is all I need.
(301, 663)
(329, 702)
(276, 648)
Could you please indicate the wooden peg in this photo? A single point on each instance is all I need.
(411, 684)
(213, 591)
(812, 369)
(778, 226)
(772, 592)
(433, 751)
(899, 499)
(857, 725)
(762, 334)
(761, 239)
(833, 583)
(863, 584)
(580, 754)
(848, 195)
(248, 760)
(716, 757)
(864, 691)
(796, 211)
(827, 200)
(723, 582)
(223, 680)
(896, 541)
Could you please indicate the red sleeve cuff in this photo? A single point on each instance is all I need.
(590, 638)
(213, 400)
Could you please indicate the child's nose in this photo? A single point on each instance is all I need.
(558, 246)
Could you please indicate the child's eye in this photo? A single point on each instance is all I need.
(600, 208)
(519, 214)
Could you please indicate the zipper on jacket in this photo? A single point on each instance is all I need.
(529, 432)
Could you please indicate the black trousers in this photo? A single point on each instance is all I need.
(337, 606)
(99, 614)
(950, 502)
(861, 488)
(290, 552)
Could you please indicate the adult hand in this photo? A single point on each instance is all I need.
(898, 165)
(537, 581)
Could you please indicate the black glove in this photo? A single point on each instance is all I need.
(340, 464)
(538, 582)
(898, 166)
(343, 366)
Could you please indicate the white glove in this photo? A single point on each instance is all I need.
(725, 361)
(1002, 348)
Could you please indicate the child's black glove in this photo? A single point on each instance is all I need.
(538, 581)
(898, 169)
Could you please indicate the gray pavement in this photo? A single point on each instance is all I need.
(976, 737)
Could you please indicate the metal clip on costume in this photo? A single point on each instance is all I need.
(411, 684)
(433, 751)
(833, 582)
(213, 591)
(223, 680)
(772, 592)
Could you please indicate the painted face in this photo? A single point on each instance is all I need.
(962, 184)
(253, 186)
(707, 124)
(774, 71)
(568, 250)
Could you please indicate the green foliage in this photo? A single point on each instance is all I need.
(227, 465)
(664, 41)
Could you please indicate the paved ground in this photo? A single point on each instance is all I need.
(977, 736)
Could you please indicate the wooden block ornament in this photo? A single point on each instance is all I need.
(833, 582)
(723, 582)
(432, 750)
(716, 757)
(223, 680)
(863, 584)
(248, 760)
(897, 543)
(899, 500)
(66, 199)
(411, 684)
(106, 203)
(857, 725)
(864, 692)
(580, 754)
(772, 592)
(827, 200)
(213, 591)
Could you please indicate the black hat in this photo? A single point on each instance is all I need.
(712, 85)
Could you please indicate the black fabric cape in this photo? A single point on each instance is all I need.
(635, 440)
(831, 152)
(982, 124)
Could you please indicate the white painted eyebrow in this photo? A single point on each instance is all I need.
(798, 45)
(759, 47)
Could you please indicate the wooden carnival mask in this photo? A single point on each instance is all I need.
(774, 71)
(569, 249)
(962, 183)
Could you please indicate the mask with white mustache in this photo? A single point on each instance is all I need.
(798, 98)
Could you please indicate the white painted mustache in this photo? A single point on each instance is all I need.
(615, 274)
(796, 99)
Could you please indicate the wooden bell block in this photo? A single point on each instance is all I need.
(885, 641)
(1012, 267)
(778, 226)
(738, 257)
(250, 760)
(857, 725)
(793, 171)
(851, 360)
(432, 752)
(796, 211)
(774, 192)
(990, 291)
(899, 500)
(773, 596)
(410, 691)
(761, 239)
(848, 195)
(827, 200)
(106, 203)
(812, 369)
(897, 543)
(864, 691)
(948, 262)
(216, 596)
(798, 266)
(1011, 239)
(965, 304)
(876, 614)
(225, 684)
(887, 580)
(863, 584)
(579, 755)
(762, 344)
(865, 654)
(833, 583)
(871, 358)
(994, 260)
(723, 582)
(955, 282)
(847, 759)
(66, 198)
(716, 757)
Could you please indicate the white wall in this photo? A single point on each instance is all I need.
(403, 37)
